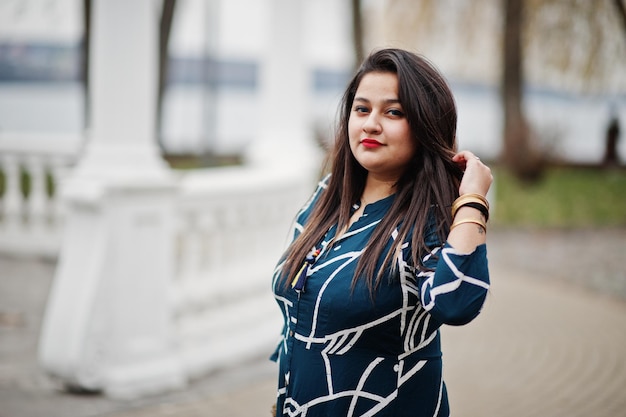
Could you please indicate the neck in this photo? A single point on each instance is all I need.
(376, 189)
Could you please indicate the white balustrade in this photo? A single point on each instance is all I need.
(234, 226)
(231, 227)
(31, 222)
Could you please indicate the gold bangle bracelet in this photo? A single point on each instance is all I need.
(465, 221)
(471, 196)
(476, 204)
(467, 201)
(474, 195)
(466, 198)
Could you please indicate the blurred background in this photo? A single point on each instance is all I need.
(154, 152)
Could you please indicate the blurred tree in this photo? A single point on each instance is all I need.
(568, 45)
(572, 44)
(357, 32)
(519, 154)
(85, 58)
(576, 42)
(463, 37)
(621, 11)
(165, 28)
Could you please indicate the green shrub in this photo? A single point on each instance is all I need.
(565, 197)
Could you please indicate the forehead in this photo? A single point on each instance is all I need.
(382, 85)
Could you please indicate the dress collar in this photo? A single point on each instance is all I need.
(378, 206)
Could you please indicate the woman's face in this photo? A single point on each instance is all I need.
(379, 133)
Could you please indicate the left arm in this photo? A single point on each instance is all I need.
(455, 292)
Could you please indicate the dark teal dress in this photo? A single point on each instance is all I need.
(342, 354)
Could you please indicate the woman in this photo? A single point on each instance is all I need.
(390, 247)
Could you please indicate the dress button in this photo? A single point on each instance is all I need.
(291, 333)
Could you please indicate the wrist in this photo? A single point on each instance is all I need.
(473, 201)
(467, 212)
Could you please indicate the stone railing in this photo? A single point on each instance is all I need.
(32, 167)
(234, 224)
(230, 227)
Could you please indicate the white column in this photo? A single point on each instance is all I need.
(285, 133)
(123, 77)
(108, 324)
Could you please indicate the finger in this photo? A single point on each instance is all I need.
(458, 157)
(464, 155)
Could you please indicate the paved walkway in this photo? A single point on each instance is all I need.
(542, 347)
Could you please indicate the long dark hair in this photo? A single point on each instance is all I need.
(424, 192)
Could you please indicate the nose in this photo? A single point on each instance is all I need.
(371, 124)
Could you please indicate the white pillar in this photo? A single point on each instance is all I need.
(123, 77)
(285, 132)
(108, 324)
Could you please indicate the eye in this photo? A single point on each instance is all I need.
(396, 112)
(360, 109)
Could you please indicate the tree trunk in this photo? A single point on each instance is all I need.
(519, 155)
(165, 28)
(621, 11)
(85, 58)
(357, 33)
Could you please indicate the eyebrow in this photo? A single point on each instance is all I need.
(387, 101)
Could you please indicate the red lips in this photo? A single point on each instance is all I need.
(371, 143)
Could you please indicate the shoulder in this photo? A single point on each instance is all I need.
(322, 185)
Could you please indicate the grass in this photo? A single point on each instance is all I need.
(566, 197)
(187, 162)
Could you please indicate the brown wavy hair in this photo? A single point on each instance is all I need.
(425, 191)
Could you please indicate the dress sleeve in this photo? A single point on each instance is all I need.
(453, 286)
